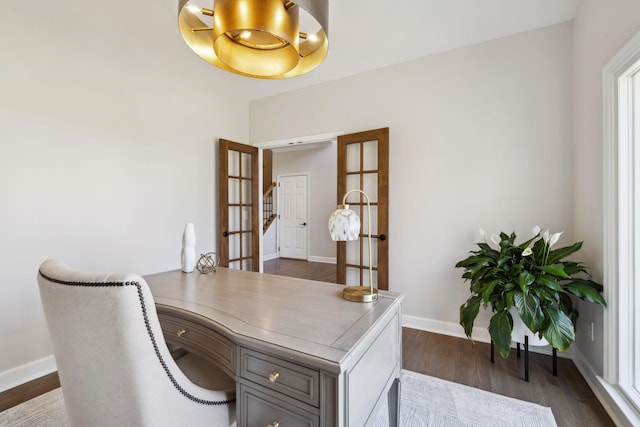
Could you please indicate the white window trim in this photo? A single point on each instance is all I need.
(619, 252)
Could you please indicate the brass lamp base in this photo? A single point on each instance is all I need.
(360, 294)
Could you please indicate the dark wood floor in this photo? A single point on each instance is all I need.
(453, 359)
(24, 392)
(458, 360)
(301, 269)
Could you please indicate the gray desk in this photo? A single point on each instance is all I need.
(300, 354)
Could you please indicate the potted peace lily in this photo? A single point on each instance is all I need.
(532, 278)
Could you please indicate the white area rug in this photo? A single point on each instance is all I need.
(425, 401)
(428, 401)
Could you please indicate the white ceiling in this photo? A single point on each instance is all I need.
(370, 34)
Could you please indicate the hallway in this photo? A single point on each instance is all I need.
(301, 269)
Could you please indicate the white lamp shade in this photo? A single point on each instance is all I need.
(344, 224)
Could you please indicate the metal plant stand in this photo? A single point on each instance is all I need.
(526, 357)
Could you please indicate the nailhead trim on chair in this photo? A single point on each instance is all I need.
(151, 336)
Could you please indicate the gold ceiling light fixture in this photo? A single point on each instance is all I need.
(268, 39)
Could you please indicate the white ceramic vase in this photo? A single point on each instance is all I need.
(520, 330)
(188, 254)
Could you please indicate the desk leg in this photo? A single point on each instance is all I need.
(394, 404)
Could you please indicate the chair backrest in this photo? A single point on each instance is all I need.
(113, 363)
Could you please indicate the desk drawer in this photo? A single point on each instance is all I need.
(261, 410)
(200, 340)
(288, 378)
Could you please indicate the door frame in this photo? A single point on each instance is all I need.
(224, 146)
(288, 142)
(620, 230)
(308, 227)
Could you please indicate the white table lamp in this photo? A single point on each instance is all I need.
(344, 225)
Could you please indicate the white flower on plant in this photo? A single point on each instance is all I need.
(535, 233)
(483, 234)
(495, 239)
(527, 252)
(554, 239)
(551, 239)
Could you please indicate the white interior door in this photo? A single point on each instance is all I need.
(293, 216)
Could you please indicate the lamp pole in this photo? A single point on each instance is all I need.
(345, 224)
(344, 203)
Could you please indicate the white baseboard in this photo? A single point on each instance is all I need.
(455, 330)
(25, 373)
(267, 257)
(311, 258)
(444, 328)
(614, 402)
(324, 259)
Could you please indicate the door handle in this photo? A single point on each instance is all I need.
(382, 237)
(304, 223)
(225, 234)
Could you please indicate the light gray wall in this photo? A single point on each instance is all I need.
(479, 137)
(107, 148)
(600, 30)
(321, 165)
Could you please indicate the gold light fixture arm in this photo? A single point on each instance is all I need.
(198, 9)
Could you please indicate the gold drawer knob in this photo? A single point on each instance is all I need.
(273, 377)
(274, 424)
(181, 332)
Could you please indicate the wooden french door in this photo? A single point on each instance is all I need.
(239, 222)
(363, 164)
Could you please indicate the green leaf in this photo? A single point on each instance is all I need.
(529, 309)
(555, 270)
(484, 247)
(558, 328)
(560, 253)
(586, 290)
(525, 279)
(566, 305)
(472, 272)
(545, 295)
(500, 328)
(572, 268)
(473, 260)
(468, 313)
(550, 282)
(508, 298)
(467, 276)
(506, 240)
(539, 249)
(488, 290)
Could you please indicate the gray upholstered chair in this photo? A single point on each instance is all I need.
(114, 366)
